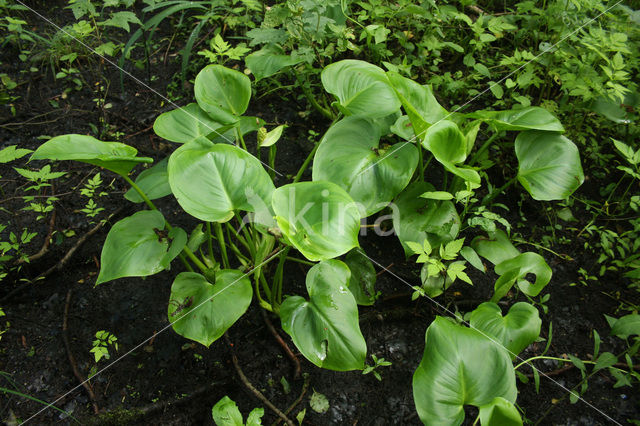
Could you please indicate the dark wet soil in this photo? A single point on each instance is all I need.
(159, 377)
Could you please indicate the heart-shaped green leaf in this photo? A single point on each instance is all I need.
(201, 311)
(362, 88)
(222, 92)
(363, 277)
(549, 165)
(210, 182)
(496, 249)
(418, 101)
(446, 142)
(319, 218)
(459, 367)
(114, 156)
(350, 155)
(185, 124)
(138, 246)
(449, 146)
(325, 328)
(154, 182)
(499, 412)
(416, 219)
(269, 60)
(530, 118)
(515, 331)
(515, 270)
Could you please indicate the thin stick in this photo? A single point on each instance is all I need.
(72, 360)
(294, 359)
(249, 386)
(305, 387)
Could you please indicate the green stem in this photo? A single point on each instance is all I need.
(312, 99)
(306, 163)
(277, 280)
(304, 262)
(420, 164)
(217, 227)
(272, 161)
(241, 138)
(483, 148)
(489, 198)
(209, 242)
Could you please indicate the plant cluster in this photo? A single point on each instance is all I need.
(392, 140)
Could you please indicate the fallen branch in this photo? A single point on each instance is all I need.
(249, 386)
(294, 359)
(65, 337)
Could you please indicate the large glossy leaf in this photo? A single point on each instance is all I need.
(185, 124)
(350, 155)
(361, 88)
(549, 165)
(222, 92)
(138, 246)
(416, 219)
(269, 60)
(530, 118)
(515, 331)
(325, 328)
(114, 156)
(363, 277)
(499, 412)
(459, 367)
(418, 101)
(201, 311)
(210, 182)
(319, 218)
(154, 182)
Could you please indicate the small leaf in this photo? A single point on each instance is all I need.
(226, 413)
(472, 257)
(437, 195)
(606, 359)
(531, 118)
(319, 403)
(626, 326)
(272, 137)
(10, 153)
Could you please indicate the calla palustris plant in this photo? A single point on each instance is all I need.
(392, 139)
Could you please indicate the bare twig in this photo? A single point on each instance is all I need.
(253, 390)
(294, 359)
(72, 360)
(305, 387)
